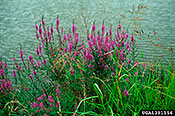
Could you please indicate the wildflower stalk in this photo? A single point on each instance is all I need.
(117, 84)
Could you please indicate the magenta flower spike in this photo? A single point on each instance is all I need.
(121, 56)
(73, 28)
(119, 26)
(57, 27)
(117, 40)
(129, 61)
(103, 29)
(76, 34)
(75, 53)
(92, 67)
(50, 98)
(34, 73)
(129, 50)
(58, 92)
(118, 35)
(31, 77)
(123, 43)
(70, 46)
(20, 51)
(118, 45)
(6, 65)
(110, 31)
(101, 60)
(40, 49)
(26, 89)
(14, 59)
(37, 51)
(48, 33)
(123, 32)
(106, 40)
(88, 38)
(62, 30)
(38, 62)
(36, 27)
(126, 35)
(89, 43)
(69, 36)
(57, 22)
(135, 63)
(93, 27)
(112, 68)
(92, 36)
(21, 56)
(1, 72)
(44, 33)
(43, 22)
(127, 79)
(1, 63)
(44, 61)
(14, 73)
(65, 49)
(84, 51)
(64, 37)
(9, 84)
(117, 52)
(106, 67)
(132, 38)
(127, 45)
(94, 41)
(19, 68)
(40, 30)
(41, 53)
(50, 38)
(76, 39)
(126, 92)
(51, 29)
(30, 58)
(37, 36)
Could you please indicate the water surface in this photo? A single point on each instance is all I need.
(17, 19)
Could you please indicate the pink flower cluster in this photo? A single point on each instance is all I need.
(3, 68)
(14, 73)
(45, 36)
(32, 63)
(96, 54)
(6, 87)
(44, 105)
(126, 92)
(58, 92)
(100, 48)
(21, 55)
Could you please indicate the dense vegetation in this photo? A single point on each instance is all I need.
(96, 75)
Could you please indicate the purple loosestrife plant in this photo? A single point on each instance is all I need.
(3, 70)
(100, 48)
(45, 105)
(73, 57)
(6, 91)
(6, 87)
(73, 61)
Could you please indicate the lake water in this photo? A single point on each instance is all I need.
(17, 19)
